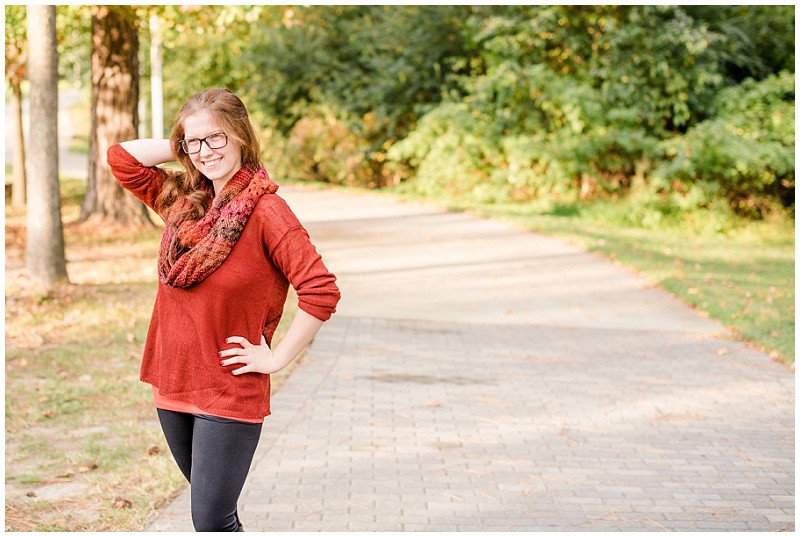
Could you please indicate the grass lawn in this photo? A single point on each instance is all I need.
(84, 451)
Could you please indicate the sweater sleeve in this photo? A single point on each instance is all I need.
(143, 182)
(289, 246)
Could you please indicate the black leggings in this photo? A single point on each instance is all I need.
(214, 455)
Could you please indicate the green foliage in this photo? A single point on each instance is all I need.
(203, 47)
(350, 80)
(451, 153)
(591, 101)
(16, 43)
(679, 108)
(745, 153)
(759, 40)
(661, 62)
(319, 147)
(74, 27)
(393, 62)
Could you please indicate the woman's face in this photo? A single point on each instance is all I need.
(219, 164)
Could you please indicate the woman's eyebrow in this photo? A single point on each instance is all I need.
(187, 136)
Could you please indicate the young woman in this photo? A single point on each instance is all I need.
(230, 249)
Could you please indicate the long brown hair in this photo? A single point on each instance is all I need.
(229, 111)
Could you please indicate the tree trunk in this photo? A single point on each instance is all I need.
(156, 79)
(588, 186)
(45, 260)
(18, 188)
(115, 114)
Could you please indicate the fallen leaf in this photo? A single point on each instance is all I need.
(88, 467)
(122, 503)
(31, 494)
(153, 450)
(722, 350)
(433, 404)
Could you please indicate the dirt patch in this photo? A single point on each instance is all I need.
(58, 491)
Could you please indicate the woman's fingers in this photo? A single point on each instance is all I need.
(236, 351)
(240, 340)
(241, 370)
(241, 359)
(239, 354)
(246, 354)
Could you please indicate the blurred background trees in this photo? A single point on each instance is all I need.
(675, 107)
(681, 107)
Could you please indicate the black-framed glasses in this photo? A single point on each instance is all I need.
(218, 140)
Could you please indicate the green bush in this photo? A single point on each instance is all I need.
(746, 153)
(525, 132)
(451, 153)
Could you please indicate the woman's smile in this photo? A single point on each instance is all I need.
(212, 163)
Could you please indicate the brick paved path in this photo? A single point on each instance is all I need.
(478, 377)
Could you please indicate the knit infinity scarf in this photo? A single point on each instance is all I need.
(194, 249)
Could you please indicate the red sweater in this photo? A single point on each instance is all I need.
(245, 293)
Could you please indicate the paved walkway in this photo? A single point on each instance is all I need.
(478, 377)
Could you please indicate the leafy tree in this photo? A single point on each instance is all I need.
(361, 74)
(74, 24)
(660, 61)
(16, 64)
(515, 101)
(206, 46)
(758, 39)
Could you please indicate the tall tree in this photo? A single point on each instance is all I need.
(115, 116)
(15, 73)
(156, 78)
(45, 258)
